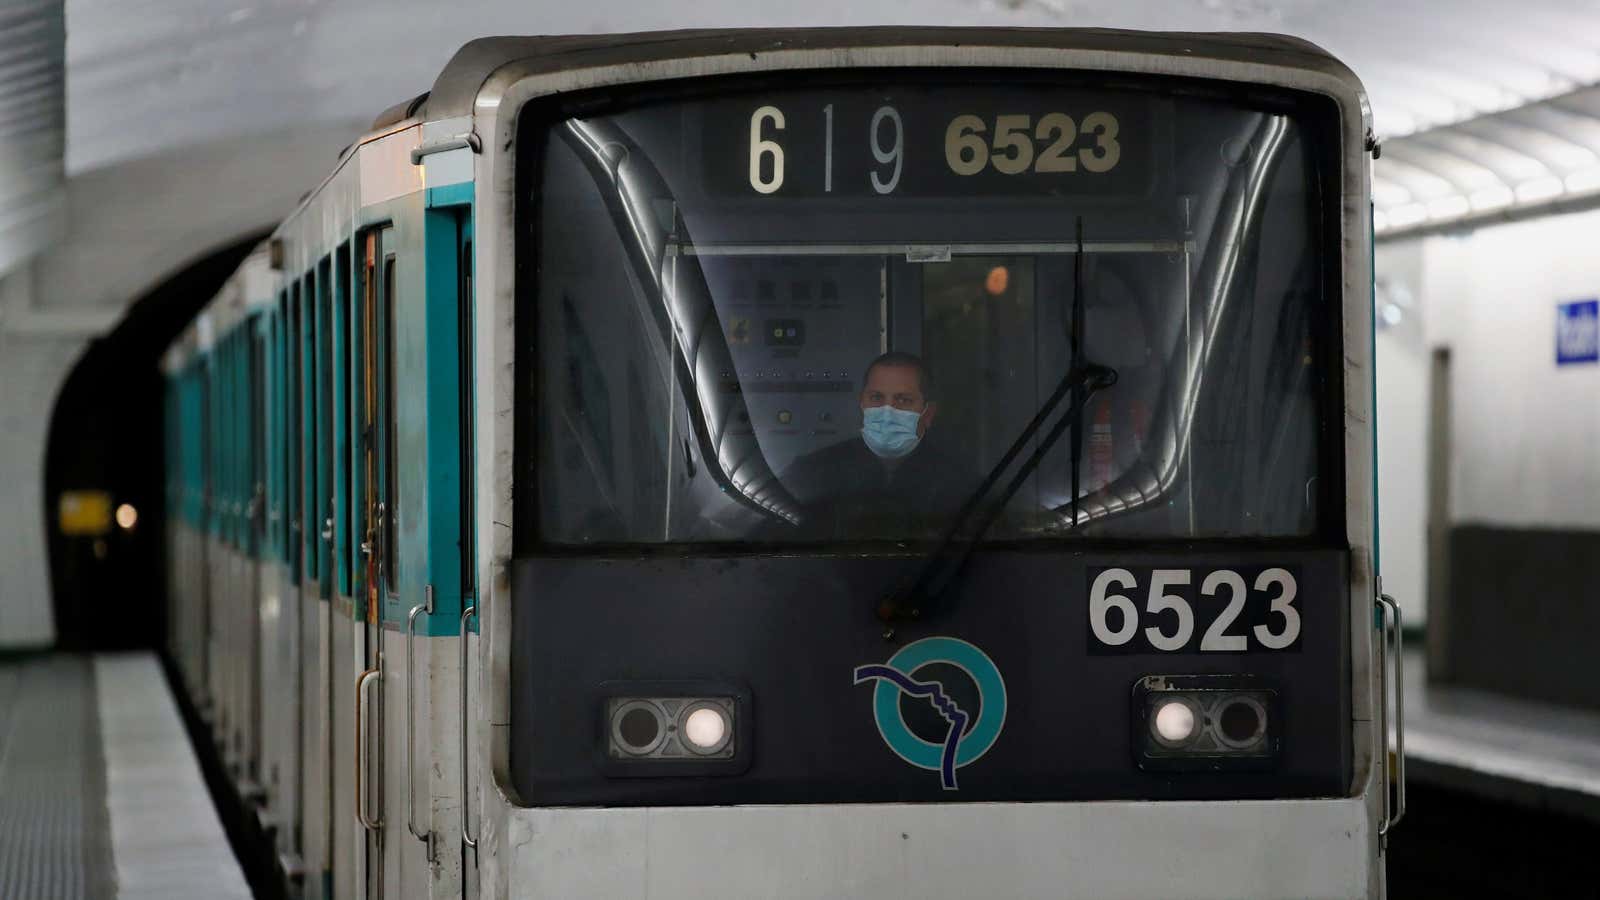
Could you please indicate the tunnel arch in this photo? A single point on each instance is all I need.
(108, 592)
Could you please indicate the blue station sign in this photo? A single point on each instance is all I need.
(1578, 332)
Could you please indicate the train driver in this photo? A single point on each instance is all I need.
(895, 480)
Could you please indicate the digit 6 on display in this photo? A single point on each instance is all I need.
(763, 149)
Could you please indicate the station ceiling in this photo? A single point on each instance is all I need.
(148, 77)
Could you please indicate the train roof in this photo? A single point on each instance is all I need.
(457, 87)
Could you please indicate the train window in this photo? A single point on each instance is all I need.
(818, 314)
(227, 391)
(346, 454)
(311, 504)
(391, 439)
(368, 460)
(244, 465)
(270, 439)
(219, 446)
(208, 425)
(296, 454)
(233, 412)
(280, 417)
(327, 501)
(258, 436)
(237, 452)
(217, 430)
(228, 382)
(241, 437)
(464, 355)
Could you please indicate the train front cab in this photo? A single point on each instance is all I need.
(1153, 676)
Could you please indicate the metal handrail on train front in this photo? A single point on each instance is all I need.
(1395, 811)
(466, 792)
(361, 762)
(1382, 756)
(426, 606)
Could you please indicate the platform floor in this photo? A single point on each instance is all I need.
(101, 795)
(1543, 757)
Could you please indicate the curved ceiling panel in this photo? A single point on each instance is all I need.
(149, 76)
(1536, 159)
(1487, 114)
(32, 132)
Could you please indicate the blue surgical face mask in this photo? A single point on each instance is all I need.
(890, 433)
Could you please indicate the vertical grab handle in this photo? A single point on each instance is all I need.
(1382, 755)
(426, 606)
(1397, 811)
(466, 792)
(367, 822)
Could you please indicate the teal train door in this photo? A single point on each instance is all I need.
(435, 339)
(436, 424)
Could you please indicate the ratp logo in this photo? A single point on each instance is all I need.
(965, 740)
(1578, 332)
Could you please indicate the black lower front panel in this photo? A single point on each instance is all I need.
(1020, 685)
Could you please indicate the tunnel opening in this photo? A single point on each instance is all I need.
(104, 477)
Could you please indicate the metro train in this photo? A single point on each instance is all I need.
(887, 462)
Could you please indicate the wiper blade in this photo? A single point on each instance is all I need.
(950, 556)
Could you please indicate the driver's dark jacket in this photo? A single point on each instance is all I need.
(847, 492)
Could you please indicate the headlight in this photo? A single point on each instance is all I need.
(637, 727)
(1174, 722)
(1205, 723)
(706, 727)
(1241, 721)
(674, 728)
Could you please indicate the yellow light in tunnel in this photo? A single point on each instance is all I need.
(127, 516)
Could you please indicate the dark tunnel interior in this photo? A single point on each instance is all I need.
(108, 590)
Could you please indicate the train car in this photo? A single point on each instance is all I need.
(890, 462)
(217, 451)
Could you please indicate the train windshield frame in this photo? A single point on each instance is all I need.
(740, 300)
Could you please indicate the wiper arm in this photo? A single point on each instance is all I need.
(950, 556)
(1082, 381)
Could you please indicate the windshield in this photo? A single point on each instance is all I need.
(824, 312)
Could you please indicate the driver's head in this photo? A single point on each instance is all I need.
(896, 404)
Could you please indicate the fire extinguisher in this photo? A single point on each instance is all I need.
(1102, 449)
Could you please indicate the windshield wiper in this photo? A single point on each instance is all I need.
(947, 560)
(950, 556)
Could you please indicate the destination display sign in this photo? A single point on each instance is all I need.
(953, 142)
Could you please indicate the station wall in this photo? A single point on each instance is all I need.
(1402, 354)
(1523, 518)
(1525, 431)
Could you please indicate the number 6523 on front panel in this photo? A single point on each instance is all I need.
(1240, 609)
